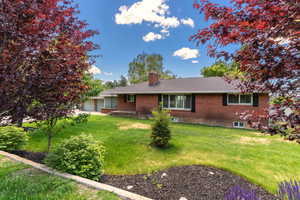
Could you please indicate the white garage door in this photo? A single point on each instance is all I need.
(89, 105)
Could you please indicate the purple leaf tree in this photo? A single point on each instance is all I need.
(268, 32)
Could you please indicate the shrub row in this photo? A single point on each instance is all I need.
(80, 155)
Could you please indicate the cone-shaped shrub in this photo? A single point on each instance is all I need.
(161, 133)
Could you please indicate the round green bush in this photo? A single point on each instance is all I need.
(161, 132)
(12, 138)
(80, 155)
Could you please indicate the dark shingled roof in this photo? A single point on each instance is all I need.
(179, 85)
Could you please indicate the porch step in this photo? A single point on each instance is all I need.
(123, 113)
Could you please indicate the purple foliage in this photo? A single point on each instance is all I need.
(289, 190)
(239, 193)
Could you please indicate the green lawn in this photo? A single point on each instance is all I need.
(20, 182)
(264, 160)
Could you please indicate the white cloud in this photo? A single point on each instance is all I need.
(170, 22)
(108, 73)
(188, 22)
(152, 37)
(195, 61)
(95, 70)
(187, 53)
(155, 12)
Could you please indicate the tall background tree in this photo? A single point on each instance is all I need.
(145, 63)
(268, 31)
(44, 55)
(95, 86)
(122, 82)
(221, 69)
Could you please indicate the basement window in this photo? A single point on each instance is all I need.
(238, 125)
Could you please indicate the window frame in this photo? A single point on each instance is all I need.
(130, 98)
(240, 124)
(239, 101)
(112, 103)
(176, 102)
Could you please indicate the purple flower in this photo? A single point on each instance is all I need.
(289, 190)
(239, 193)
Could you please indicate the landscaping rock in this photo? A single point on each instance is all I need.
(163, 175)
(183, 198)
(129, 187)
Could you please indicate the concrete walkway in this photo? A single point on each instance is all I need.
(77, 112)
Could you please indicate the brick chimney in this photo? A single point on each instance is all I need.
(153, 78)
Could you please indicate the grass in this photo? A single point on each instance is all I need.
(263, 160)
(19, 182)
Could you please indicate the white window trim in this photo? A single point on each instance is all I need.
(129, 100)
(242, 104)
(239, 126)
(110, 106)
(169, 102)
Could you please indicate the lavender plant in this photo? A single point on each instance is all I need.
(239, 193)
(289, 190)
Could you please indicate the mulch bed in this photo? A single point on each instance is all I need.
(195, 182)
(191, 182)
(34, 156)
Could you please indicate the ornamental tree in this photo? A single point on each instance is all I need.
(268, 33)
(44, 54)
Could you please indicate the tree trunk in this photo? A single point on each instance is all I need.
(19, 122)
(51, 124)
(49, 141)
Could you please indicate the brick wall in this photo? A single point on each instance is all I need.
(146, 103)
(95, 104)
(210, 110)
(107, 110)
(125, 106)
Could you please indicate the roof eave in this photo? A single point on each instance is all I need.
(181, 92)
(104, 95)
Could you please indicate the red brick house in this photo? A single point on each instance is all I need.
(211, 101)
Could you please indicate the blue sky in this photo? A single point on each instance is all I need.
(122, 32)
